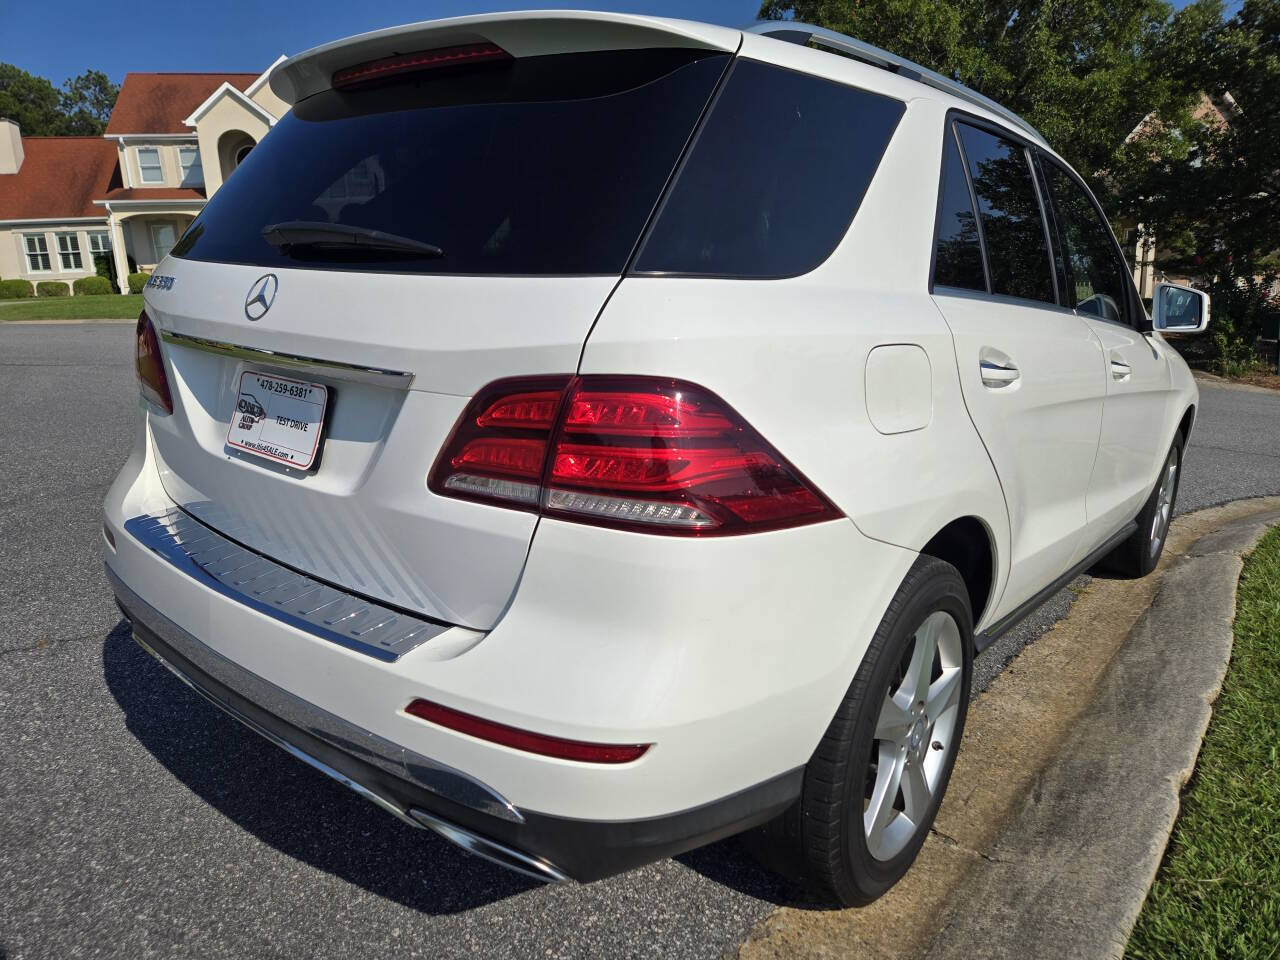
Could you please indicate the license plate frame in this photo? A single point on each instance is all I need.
(278, 418)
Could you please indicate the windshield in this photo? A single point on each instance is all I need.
(539, 165)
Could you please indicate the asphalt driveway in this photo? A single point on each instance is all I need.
(137, 821)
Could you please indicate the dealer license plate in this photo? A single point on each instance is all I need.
(278, 418)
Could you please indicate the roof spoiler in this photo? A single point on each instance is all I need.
(525, 34)
(808, 35)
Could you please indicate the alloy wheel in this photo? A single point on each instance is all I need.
(914, 736)
(1164, 503)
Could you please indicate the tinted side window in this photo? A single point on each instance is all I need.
(1011, 221)
(957, 260)
(774, 178)
(1097, 282)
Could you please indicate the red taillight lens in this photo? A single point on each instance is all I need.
(657, 455)
(422, 60)
(524, 740)
(498, 448)
(152, 381)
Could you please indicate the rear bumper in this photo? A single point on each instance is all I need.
(455, 805)
(729, 655)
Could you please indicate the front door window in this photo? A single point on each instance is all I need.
(162, 238)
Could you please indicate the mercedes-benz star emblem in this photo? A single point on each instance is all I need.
(260, 297)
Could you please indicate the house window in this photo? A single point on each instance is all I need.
(99, 242)
(163, 237)
(37, 253)
(149, 165)
(192, 172)
(69, 251)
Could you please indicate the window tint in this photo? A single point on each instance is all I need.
(538, 165)
(957, 258)
(774, 178)
(1097, 282)
(1011, 222)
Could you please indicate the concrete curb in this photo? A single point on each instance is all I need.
(1070, 872)
(1223, 383)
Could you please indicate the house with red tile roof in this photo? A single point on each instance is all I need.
(126, 197)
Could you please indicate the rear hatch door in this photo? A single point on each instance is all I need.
(532, 176)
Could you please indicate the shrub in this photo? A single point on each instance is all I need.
(92, 285)
(16, 289)
(137, 281)
(52, 288)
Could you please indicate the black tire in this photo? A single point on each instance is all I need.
(1138, 555)
(821, 839)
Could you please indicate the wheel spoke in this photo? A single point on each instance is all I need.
(879, 813)
(920, 670)
(943, 694)
(915, 792)
(894, 723)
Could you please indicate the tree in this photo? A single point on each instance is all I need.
(81, 108)
(1208, 182)
(32, 102)
(87, 101)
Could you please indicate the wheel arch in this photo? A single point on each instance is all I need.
(968, 545)
(1187, 422)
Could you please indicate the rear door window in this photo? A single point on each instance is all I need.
(774, 177)
(1097, 280)
(538, 165)
(1012, 224)
(957, 252)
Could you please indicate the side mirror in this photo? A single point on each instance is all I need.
(1179, 309)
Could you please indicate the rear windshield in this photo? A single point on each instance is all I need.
(542, 165)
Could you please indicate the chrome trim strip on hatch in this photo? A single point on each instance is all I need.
(329, 368)
(431, 775)
(280, 592)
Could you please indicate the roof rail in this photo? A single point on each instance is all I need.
(806, 34)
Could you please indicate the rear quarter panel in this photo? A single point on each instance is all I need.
(790, 355)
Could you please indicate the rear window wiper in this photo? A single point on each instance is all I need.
(318, 235)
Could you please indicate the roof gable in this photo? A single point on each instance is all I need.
(227, 90)
(159, 103)
(59, 179)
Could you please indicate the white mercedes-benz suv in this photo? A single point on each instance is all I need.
(589, 436)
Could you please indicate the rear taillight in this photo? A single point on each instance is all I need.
(647, 454)
(152, 381)
(387, 67)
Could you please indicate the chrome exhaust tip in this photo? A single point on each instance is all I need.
(490, 850)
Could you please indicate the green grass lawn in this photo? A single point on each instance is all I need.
(1218, 890)
(104, 307)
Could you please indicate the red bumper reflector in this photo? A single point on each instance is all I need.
(422, 60)
(524, 740)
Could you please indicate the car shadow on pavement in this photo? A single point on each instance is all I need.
(286, 804)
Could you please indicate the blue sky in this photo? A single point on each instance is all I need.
(63, 38)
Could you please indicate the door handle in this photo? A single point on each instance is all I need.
(998, 375)
(1120, 370)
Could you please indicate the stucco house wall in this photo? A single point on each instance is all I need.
(222, 130)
